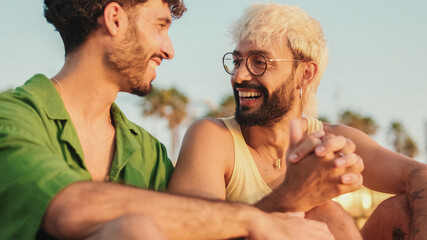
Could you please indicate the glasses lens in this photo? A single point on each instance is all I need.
(231, 62)
(257, 64)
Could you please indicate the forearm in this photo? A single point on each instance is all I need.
(71, 216)
(416, 192)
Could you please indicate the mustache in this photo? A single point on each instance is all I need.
(249, 85)
(155, 55)
(260, 88)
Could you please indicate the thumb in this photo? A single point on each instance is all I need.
(296, 133)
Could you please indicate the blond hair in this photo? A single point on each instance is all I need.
(267, 24)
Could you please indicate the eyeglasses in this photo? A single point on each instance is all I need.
(255, 62)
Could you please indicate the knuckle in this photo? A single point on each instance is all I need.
(360, 163)
(359, 182)
(350, 143)
(352, 158)
(329, 135)
(354, 163)
(331, 144)
(341, 138)
(336, 143)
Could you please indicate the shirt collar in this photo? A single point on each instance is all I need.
(55, 108)
(51, 101)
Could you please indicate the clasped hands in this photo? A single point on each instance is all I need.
(319, 167)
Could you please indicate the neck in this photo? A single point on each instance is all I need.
(272, 139)
(86, 88)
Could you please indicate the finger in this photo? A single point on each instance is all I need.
(304, 148)
(346, 160)
(356, 169)
(349, 147)
(328, 136)
(352, 182)
(330, 145)
(349, 178)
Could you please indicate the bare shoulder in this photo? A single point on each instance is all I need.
(207, 140)
(205, 160)
(214, 123)
(209, 129)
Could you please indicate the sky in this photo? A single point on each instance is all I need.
(377, 64)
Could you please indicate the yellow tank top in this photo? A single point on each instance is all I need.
(246, 184)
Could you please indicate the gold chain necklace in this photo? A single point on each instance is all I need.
(277, 162)
(59, 85)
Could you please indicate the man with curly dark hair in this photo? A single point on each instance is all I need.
(74, 167)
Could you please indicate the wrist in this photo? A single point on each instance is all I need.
(251, 218)
(279, 201)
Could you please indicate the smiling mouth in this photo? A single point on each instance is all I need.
(244, 95)
(154, 64)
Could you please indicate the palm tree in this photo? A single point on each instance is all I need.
(8, 90)
(170, 104)
(226, 108)
(323, 118)
(364, 124)
(402, 142)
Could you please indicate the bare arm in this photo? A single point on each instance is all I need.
(390, 172)
(89, 204)
(82, 208)
(205, 161)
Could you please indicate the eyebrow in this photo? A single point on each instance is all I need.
(263, 52)
(165, 20)
(237, 52)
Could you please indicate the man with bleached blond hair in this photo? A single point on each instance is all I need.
(276, 67)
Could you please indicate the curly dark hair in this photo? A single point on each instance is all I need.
(75, 20)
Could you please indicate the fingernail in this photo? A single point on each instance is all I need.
(347, 178)
(293, 157)
(339, 162)
(320, 149)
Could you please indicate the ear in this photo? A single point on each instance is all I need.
(308, 74)
(114, 18)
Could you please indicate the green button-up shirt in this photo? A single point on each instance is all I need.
(40, 154)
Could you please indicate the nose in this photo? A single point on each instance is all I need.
(242, 74)
(167, 48)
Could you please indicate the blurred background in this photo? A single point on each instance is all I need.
(375, 80)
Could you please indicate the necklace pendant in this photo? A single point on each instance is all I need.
(278, 163)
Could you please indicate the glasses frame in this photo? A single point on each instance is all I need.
(247, 65)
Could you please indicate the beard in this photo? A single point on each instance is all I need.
(272, 110)
(130, 60)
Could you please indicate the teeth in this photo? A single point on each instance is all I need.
(249, 94)
(153, 64)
